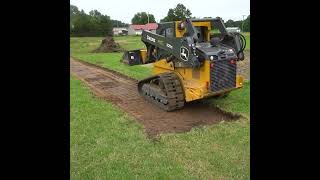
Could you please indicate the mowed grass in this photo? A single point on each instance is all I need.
(108, 144)
(238, 101)
(80, 48)
(247, 37)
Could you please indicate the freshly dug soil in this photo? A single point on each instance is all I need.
(108, 45)
(122, 91)
(243, 67)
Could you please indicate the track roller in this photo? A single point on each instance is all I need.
(163, 90)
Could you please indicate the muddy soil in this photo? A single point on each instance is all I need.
(122, 91)
(108, 45)
(243, 67)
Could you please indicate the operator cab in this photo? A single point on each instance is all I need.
(202, 33)
(210, 37)
(216, 43)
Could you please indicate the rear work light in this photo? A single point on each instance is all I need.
(232, 61)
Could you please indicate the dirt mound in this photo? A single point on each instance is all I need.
(244, 66)
(122, 91)
(108, 45)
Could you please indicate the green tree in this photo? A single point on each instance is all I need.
(102, 24)
(95, 14)
(74, 11)
(92, 24)
(82, 25)
(180, 12)
(246, 24)
(142, 18)
(105, 25)
(229, 23)
(116, 23)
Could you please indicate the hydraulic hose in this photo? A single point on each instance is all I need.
(243, 42)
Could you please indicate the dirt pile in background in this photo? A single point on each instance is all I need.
(108, 45)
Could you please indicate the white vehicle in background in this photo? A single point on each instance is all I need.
(233, 29)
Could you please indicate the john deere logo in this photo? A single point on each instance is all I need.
(184, 53)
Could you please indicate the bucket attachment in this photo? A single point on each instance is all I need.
(134, 57)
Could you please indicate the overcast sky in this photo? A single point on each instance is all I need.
(124, 10)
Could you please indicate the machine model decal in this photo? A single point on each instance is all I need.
(151, 39)
(184, 53)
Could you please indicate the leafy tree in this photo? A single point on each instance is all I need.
(74, 11)
(92, 24)
(142, 18)
(180, 12)
(238, 24)
(95, 14)
(82, 25)
(105, 25)
(116, 23)
(102, 24)
(229, 23)
(246, 24)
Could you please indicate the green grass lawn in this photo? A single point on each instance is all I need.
(108, 144)
(80, 48)
(247, 36)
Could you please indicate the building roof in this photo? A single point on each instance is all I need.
(149, 26)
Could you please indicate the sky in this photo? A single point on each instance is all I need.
(124, 10)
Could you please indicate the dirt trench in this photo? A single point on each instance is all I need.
(122, 91)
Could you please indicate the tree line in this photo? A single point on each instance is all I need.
(97, 24)
(243, 25)
(92, 24)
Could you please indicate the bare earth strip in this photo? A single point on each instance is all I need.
(122, 91)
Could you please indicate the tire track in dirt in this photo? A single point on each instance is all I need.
(122, 91)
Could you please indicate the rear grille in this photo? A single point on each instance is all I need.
(223, 75)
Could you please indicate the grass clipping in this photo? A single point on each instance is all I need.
(108, 45)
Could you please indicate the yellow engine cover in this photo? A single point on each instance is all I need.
(195, 82)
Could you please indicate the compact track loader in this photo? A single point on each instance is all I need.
(192, 59)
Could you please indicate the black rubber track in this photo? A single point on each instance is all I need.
(172, 88)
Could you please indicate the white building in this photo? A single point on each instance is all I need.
(233, 29)
(120, 31)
